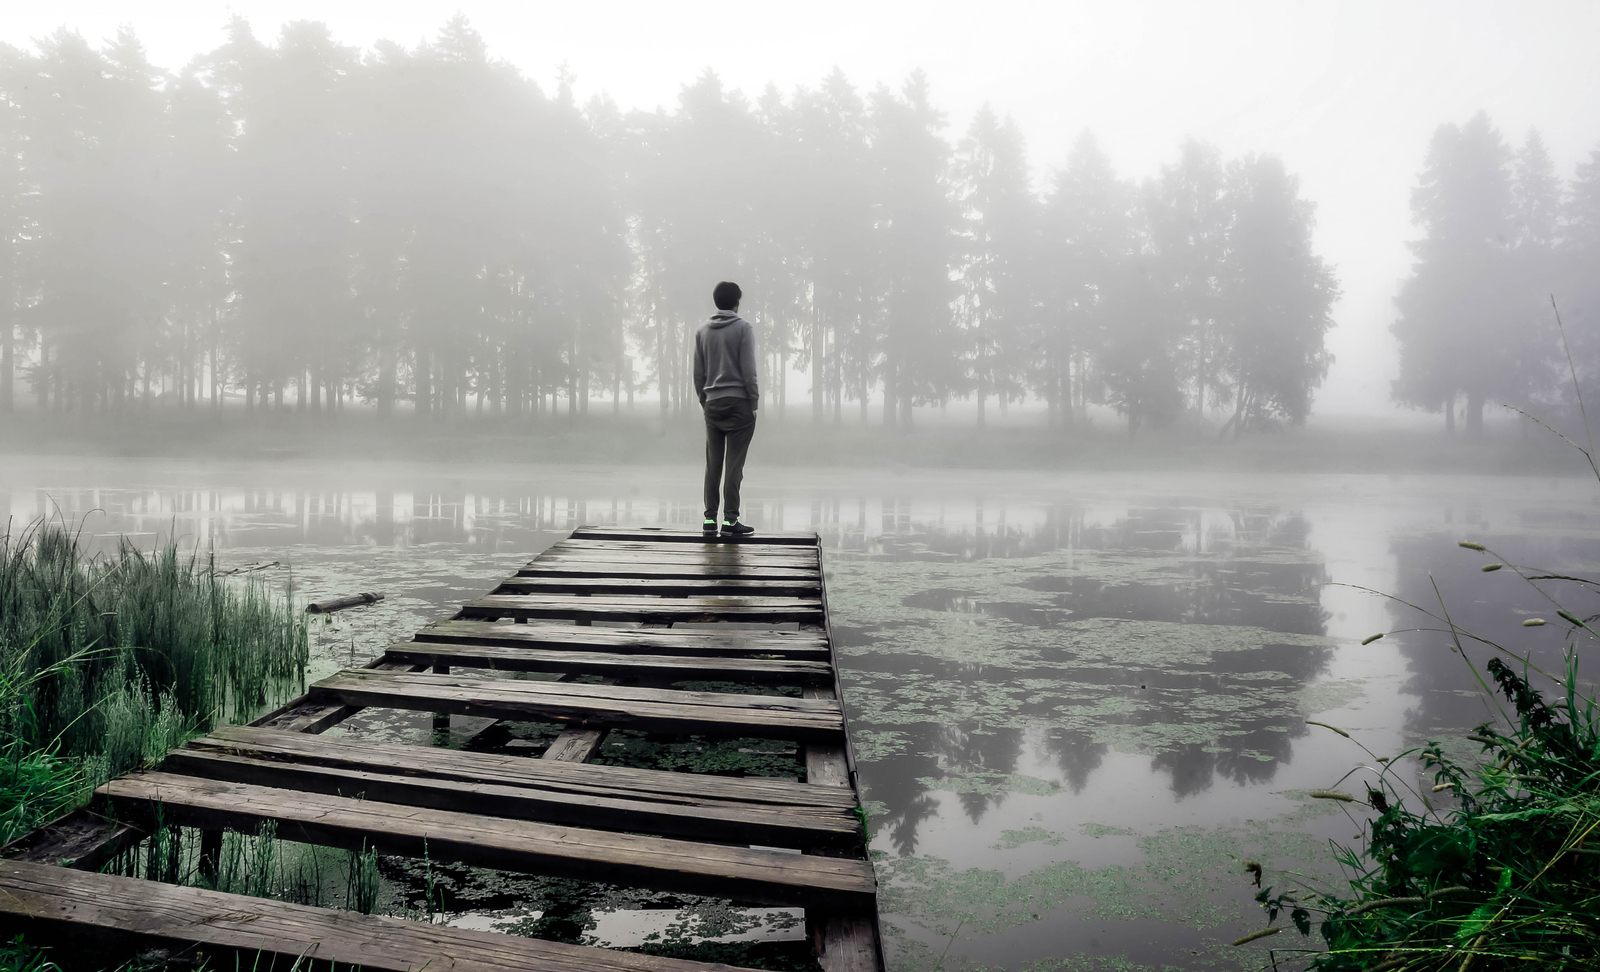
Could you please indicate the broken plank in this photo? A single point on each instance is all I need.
(309, 715)
(618, 607)
(79, 839)
(744, 874)
(660, 668)
(500, 769)
(659, 586)
(612, 706)
(768, 826)
(88, 912)
(646, 641)
(575, 744)
(671, 535)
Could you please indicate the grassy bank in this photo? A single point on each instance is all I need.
(109, 662)
(1484, 865)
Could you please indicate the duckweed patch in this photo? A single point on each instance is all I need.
(991, 784)
(1012, 839)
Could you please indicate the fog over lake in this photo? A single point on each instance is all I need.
(1078, 701)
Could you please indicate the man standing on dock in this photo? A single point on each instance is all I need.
(725, 383)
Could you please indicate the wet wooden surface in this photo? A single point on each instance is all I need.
(609, 640)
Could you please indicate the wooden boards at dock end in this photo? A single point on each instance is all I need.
(88, 911)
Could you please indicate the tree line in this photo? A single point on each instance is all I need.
(1503, 301)
(303, 225)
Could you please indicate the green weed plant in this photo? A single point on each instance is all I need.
(108, 662)
(1496, 866)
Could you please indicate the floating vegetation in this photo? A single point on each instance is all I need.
(106, 663)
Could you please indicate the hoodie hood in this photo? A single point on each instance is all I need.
(723, 318)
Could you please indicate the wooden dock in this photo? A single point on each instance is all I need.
(642, 610)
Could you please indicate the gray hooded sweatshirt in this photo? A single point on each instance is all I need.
(725, 359)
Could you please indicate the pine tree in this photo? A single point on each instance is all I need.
(1085, 247)
(1276, 297)
(1460, 308)
(997, 245)
(915, 220)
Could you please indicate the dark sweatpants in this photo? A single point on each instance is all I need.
(730, 423)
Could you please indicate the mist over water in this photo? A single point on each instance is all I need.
(1078, 701)
(1135, 364)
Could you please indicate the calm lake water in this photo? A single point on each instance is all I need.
(1078, 701)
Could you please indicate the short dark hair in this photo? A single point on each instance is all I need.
(727, 295)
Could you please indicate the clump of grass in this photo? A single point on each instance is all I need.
(108, 662)
(1505, 872)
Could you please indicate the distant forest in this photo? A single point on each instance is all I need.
(303, 225)
(1503, 302)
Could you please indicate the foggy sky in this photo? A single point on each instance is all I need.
(1347, 93)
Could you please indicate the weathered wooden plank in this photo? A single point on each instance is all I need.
(686, 553)
(845, 939)
(559, 566)
(658, 586)
(672, 535)
(744, 874)
(769, 610)
(764, 825)
(644, 641)
(846, 942)
(612, 706)
(659, 668)
(825, 762)
(309, 715)
(575, 744)
(80, 839)
(86, 912)
(494, 768)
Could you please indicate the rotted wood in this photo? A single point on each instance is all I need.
(618, 607)
(657, 668)
(424, 762)
(642, 641)
(765, 825)
(307, 714)
(80, 839)
(611, 706)
(340, 603)
(679, 866)
(89, 914)
(843, 939)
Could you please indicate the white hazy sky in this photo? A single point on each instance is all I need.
(1348, 93)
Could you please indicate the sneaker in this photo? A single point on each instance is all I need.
(709, 526)
(733, 528)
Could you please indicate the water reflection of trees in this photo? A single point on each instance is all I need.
(1492, 606)
(1248, 570)
(250, 517)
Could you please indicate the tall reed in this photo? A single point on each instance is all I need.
(106, 662)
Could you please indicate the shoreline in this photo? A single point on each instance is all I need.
(632, 440)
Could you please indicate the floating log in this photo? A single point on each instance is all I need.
(340, 603)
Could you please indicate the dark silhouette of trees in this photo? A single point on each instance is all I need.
(298, 225)
(1499, 239)
(1275, 297)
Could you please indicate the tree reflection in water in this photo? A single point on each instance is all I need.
(1178, 632)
